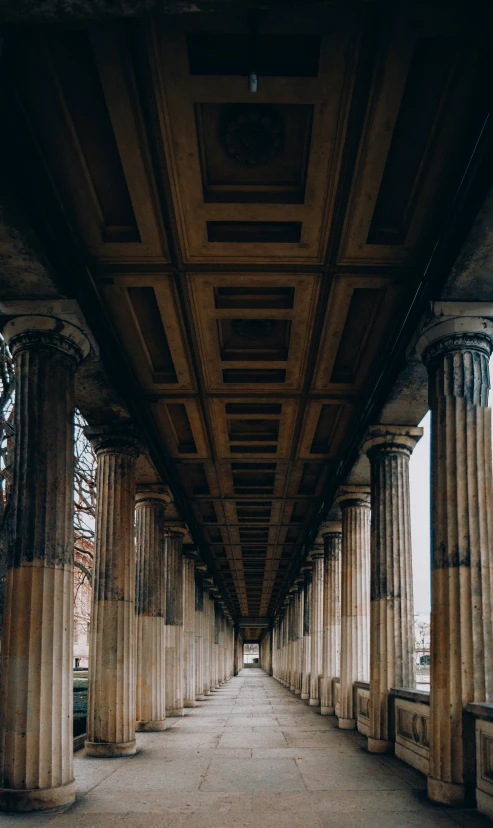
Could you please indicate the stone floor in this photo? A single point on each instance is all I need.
(250, 755)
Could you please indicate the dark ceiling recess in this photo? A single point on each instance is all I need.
(251, 265)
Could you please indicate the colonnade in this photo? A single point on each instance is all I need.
(160, 635)
(357, 598)
(162, 638)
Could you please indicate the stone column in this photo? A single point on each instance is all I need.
(317, 555)
(294, 630)
(300, 583)
(207, 638)
(36, 740)
(307, 602)
(111, 698)
(174, 534)
(200, 570)
(456, 353)
(332, 534)
(392, 609)
(189, 558)
(150, 609)
(355, 595)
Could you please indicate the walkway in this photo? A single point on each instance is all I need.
(251, 756)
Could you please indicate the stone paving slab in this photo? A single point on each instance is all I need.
(251, 755)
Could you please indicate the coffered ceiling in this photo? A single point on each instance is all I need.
(256, 252)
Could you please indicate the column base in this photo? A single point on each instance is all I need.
(314, 702)
(379, 745)
(189, 703)
(37, 799)
(179, 711)
(150, 727)
(447, 793)
(326, 711)
(305, 696)
(201, 697)
(207, 692)
(109, 750)
(297, 692)
(292, 688)
(347, 724)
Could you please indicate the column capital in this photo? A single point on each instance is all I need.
(352, 495)
(317, 552)
(330, 527)
(153, 494)
(445, 334)
(118, 438)
(200, 567)
(175, 530)
(190, 554)
(33, 331)
(391, 439)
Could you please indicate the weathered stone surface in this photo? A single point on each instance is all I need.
(317, 627)
(150, 609)
(174, 534)
(354, 501)
(307, 608)
(111, 699)
(456, 353)
(36, 767)
(189, 658)
(332, 534)
(392, 608)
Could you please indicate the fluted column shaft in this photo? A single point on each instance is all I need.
(332, 616)
(456, 353)
(199, 633)
(174, 619)
(36, 764)
(299, 636)
(392, 609)
(150, 610)
(189, 558)
(317, 624)
(355, 596)
(207, 640)
(111, 698)
(292, 639)
(307, 602)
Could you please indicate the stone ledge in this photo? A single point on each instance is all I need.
(421, 696)
(483, 710)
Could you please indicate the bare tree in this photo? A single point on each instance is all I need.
(7, 387)
(84, 504)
